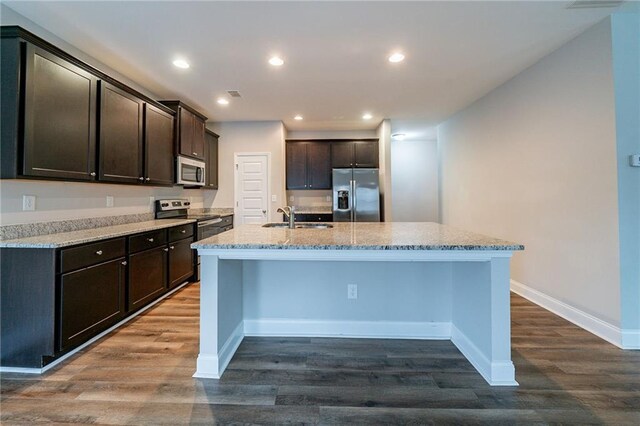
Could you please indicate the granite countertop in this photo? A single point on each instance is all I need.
(65, 239)
(356, 236)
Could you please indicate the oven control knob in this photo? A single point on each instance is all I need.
(165, 204)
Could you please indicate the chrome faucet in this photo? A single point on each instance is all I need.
(290, 213)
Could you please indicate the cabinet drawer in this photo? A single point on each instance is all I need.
(91, 254)
(226, 221)
(180, 232)
(147, 240)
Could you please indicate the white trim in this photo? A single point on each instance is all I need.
(600, 328)
(631, 339)
(89, 342)
(350, 329)
(236, 155)
(495, 373)
(357, 255)
(211, 366)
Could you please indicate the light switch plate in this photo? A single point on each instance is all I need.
(274, 198)
(109, 200)
(28, 203)
(634, 160)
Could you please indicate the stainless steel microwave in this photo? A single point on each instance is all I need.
(189, 172)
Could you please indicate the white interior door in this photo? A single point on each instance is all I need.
(252, 188)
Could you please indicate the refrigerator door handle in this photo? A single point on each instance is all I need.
(353, 200)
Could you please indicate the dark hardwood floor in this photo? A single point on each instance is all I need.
(141, 374)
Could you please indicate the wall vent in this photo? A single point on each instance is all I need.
(594, 4)
(233, 93)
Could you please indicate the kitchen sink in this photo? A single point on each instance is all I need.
(298, 225)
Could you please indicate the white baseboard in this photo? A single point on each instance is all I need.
(352, 329)
(89, 342)
(495, 373)
(211, 366)
(600, 328)
(631, 339)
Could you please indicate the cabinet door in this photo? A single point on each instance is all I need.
(296, 165)
(366, 154)
(180, 262)
(120, 136)
(159, 161)
(59, 118)
(90, 300)
(319, 165)
(147, 276)
(185, 134)
(211, 154)
(341, 154)
(197, 143)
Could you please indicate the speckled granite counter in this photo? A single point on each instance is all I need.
(356, 236)
(65, 239)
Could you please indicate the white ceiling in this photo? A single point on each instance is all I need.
(336, 53)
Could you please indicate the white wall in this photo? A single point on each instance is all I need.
(414, 181)
(243, 137)
(70, 200)
(534, 161)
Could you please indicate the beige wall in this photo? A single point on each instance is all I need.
(415, 181)
(243, 137)
(534, 161)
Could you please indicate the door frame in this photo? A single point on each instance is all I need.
(236, 181)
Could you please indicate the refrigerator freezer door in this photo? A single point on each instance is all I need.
(342, 195)
(367, 195)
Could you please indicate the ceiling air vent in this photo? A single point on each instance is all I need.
(233, 93)
(594, 4)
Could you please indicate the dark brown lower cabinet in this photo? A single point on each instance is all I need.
(147, 276)
(90, 300)
(180, 261)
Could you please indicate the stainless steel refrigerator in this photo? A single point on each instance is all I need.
(356, 195)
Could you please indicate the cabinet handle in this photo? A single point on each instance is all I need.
(150, 240)
(172, 247)
(99, 252)
(195, 153)
(183, 231)
(147, 179)
(310, 186)
(165, 249)
(124, 263)
(141, 178)
(92, 173)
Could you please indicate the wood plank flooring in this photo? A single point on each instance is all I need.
(141, 374)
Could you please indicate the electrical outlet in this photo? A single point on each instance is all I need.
(28, 202)
(274, 198)
(109, 200)
(352, 291)
(634, 160)
(291, 198)
(328, 198)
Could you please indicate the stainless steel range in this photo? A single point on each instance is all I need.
(208, 224)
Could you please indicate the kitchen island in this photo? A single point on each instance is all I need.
(417, 281)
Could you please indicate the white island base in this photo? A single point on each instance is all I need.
(457, 295)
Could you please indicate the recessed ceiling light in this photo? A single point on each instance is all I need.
(223, 101)
(181, 63)
(297, 117)
(276, 61)
(367, 116)
(396, 57)
(398, 136)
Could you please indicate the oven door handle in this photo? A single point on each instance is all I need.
(209, 222)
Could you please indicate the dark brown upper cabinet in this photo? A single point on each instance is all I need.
(360, 154)
(120, 136)
(63, 119)
(59, 103)
(308, 165)
(211, 156)
(158, 144)
(190, 130)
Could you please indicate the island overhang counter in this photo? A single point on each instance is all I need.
(418, 281)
